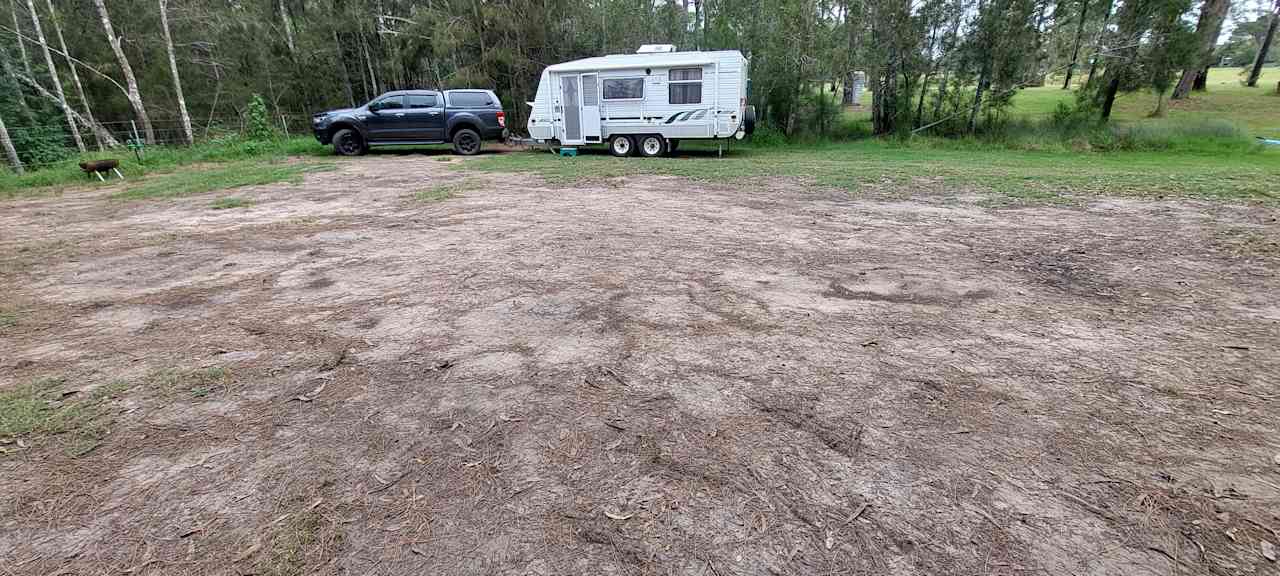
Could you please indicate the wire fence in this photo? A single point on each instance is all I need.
(128, 134)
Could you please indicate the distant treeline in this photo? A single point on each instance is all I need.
(179, 69)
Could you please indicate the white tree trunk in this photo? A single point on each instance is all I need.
(75, 76)
(288, 26)
(97, 128)
(22, 48)
(53, 73)
(173, 67)
(135, 97)
(9, 150)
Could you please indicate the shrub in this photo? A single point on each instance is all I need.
(259, 120)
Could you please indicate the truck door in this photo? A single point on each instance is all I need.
(386, 120)
(590, 108)
(426, 117)
(571, 128)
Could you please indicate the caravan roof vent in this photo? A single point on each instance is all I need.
(653, 48)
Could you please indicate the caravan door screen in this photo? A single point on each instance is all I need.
(572, 110)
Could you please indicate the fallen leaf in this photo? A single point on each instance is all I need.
(618, 516)
(1268, 551)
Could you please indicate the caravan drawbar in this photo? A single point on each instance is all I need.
(643, 103)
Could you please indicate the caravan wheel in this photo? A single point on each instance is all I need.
(621, 146)
(652, 146)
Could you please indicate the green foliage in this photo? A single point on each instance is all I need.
(260, 126)
(767, 136)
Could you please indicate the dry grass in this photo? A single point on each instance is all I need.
(645, 376)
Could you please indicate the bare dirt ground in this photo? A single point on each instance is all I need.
(641, 376)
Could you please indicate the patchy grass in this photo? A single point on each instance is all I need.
(155, 160)
(230, 202)
(302, 537)
(48, 408)
(855, 166)
(442, 191)
(195, 383)
(224, 177)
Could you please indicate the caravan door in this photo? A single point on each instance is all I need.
(570, 101)
(590, 108)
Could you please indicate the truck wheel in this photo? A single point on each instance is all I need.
(749, 120)
(621, 146)
(347, 142)
(466, 142)
(652, 146)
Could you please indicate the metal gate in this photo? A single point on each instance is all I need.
(572, 110)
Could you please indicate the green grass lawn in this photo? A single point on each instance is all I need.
(1255, 110)
(174, 170)
(865, 164)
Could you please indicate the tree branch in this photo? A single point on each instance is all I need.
(107, 139)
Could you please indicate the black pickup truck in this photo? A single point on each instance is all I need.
(464, 118)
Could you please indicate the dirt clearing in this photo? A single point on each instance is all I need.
(400, 367)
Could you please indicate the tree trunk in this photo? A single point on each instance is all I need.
(173, 68)
(1038, 75)
(1102, 34)
(9, 150)
(1109, 96)
(288, 27)
(135, 97)
(346, 75)
(75, 76)
(97, 128)
(1266, 47)
(1075, 50)
(53, 74)
(983, 81)
(373, 79)
(25, 117)
(1202, 79)
(1212, 13)
(22, 48)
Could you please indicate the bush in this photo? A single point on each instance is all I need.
(768, 136)
(259, 120)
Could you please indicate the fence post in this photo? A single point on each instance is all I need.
(137, 142)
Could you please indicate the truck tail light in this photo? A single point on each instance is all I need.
(502, 119)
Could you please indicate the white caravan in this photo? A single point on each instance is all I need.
(645, 102)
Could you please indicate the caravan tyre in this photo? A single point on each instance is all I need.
(749, 120)
(652, 146)
(621, 146)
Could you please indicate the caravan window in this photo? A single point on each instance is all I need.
(685, 86)
(623, 88)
